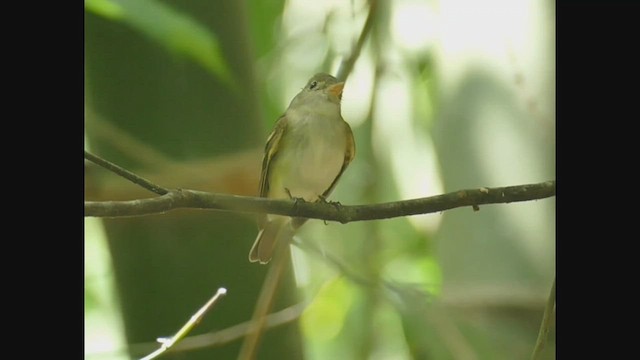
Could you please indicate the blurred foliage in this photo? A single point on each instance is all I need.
(177, 32)
(264, 23)
(438, 113)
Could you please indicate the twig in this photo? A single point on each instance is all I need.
(125, 173)
(186, 328)
(452, 336)
(546, 323)
(179, 199)
(347, 65)
(231, 333)
(335, 262)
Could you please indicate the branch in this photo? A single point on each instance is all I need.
(166, 344)
(338, 265)
(546, 323)
(347, 65)
(216, 338)
(278, 264)
(192, 199)
(237, 331)
(125, 173)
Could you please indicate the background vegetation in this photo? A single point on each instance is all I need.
(446, 95)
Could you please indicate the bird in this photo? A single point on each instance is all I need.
(305, 155)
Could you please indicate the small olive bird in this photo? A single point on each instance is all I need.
(306, 153)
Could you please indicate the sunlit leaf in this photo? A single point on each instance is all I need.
(324, 318)
(105, 8)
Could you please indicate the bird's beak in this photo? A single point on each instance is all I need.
(336, 89)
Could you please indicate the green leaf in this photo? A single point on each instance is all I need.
(324, 318)
(105, 8)
(177, 32)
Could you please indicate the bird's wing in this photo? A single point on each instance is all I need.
(270, 152)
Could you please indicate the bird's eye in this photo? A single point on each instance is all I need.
(313, 85)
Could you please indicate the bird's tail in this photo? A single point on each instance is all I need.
(274, 232)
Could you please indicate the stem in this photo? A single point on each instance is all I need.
(546, 323)
(265, 301)
(347, 65)
(186, 328)
(125, 173)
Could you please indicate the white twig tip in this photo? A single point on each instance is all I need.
(222, 291)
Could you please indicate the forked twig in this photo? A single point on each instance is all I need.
(126, 174)
(186, 328)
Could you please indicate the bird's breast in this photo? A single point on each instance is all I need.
(312, 157)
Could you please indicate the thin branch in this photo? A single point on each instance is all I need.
(186, 328)
(220, 337)
(347, 64)
(280, 261)
(546, 323)
(398, 289)
(180, 199)
(331, 260)
(479, 296)
(125, 173)
(407, 295)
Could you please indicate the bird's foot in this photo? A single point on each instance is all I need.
(296, 200)
(335, 204)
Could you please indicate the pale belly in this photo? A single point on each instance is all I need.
(312, 163)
